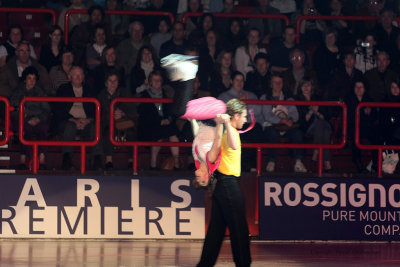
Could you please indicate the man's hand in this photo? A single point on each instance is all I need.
(287, 122)
(165, 122)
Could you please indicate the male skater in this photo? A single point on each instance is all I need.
(227, 200)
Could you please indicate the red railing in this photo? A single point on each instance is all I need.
(376, 147)
(115, 12)
(30, 10)
(258, 146)
(36, 143)
(318, 17)
(7, 110)
(238, 15)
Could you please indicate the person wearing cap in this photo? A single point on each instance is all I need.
(59, 73)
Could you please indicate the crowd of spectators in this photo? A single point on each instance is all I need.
(112, 56)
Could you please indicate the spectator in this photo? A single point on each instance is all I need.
(389, 119)
(155, 120)
(244, 56)
(197, 37)
(386, 33)
(76, 117)
(15, 37)
(109, 63)
(286, 7)
(367, 126)
(255, 135)
(221, 23)
(122, 112)
(258, 80)
(74, 19)
(36, 115)
(370, 8)
(343, 28)
(50, 55)
(128, 49)
(344, 79)
(279, 52)
(59, 74)
(233, 36)
(327, 58)
(271, 27)
(16, 66)
(366, 53)
(296, 72)
(313, 121)
(150, 23)
(177, 44)
(80, 38)
(378, 79)
(118, 23)
(280, 121)
(146, 63)
(95, 51)
(207, 55)
(192, 22)
(163, 35)
(220, 79)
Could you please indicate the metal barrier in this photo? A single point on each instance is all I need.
(238, 15)
(36, 143)
(258, 146)
(115, 12)
(318, 17)
(7, 110)
(30, 10)
(375, 147)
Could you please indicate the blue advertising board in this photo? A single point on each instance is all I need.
(329, 209)
(45, 206)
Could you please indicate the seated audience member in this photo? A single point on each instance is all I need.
(208, 54)
(36, 115)
(378, 79)
(197, 37)
(244, 55)
(127, 50)
(119, 23)
(221, 77)
(343, 28)
(280, 50)
(255, 135)
(389, 123)
(177, 44)
(369, 8)
(327, 58)
(310, 30)
(366, 53)
(344, 78)
(192, 22)
(150, 22)
(146, 63)
(76, 117)
(15, 37)
(386, 33)
(280, 121)
(258, 80)
(80, 38)
(109, 62)
(313, 120)
(94, 52)
(222, 23)
(50, 53)
(74, 19)
(123, 112)
(16, 65)
(155, 120)
(163, 35)
(234, 36)
(270, 27)
(296, 72)
(59, 74)
(368, 118)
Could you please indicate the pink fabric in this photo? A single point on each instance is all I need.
(204, 108)
(253, 122)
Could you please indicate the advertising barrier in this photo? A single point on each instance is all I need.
(329, 209)
(120, 207)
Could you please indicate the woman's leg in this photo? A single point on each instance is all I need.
(175, 150)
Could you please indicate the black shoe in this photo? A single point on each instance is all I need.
(22, 167)
(97, 164)
(109, 166)
(67, 162)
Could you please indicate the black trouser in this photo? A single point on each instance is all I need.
(228, 209)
